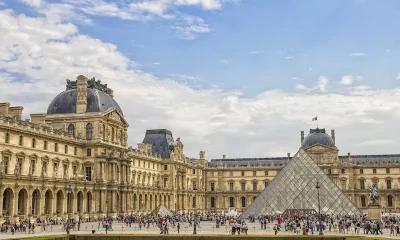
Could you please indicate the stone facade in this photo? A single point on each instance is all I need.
(69, 164)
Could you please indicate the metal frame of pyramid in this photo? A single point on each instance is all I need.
(162, 211)
(295, 188)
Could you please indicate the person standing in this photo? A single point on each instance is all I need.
(178, 227)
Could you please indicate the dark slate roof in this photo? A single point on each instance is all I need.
(318, 137)
(97, 101)
(365, 159)
(161, 141)
(243, 162)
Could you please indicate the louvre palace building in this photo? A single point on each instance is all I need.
(74, 161)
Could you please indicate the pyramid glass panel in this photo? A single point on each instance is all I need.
(294, 189)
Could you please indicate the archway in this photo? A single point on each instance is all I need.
(140, 203)
(70, 202)
(145, 202)
(135, 208)
(8, 197)
(48, 202)
(79, 201)
(22, 202)
(35, 202)
(88, 202)
(60, 202)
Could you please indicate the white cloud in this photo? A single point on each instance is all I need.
(357, 54)
(310, 69)
(349, 79)
(398, 76)
(80, 11)
(387, 50)
(223, 62)
(204, 118)
(289, 57)
(156, 63)
(256, 52)
(378, 142)
(2, 4)
(320, 85)
(297, 78)
(185, 77)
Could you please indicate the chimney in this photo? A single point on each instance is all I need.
(302, 136)
(288, 155)
(333, 136)
(202, 154)
(81, 96)
(224, 156)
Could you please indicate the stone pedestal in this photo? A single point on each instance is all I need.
(374, 212)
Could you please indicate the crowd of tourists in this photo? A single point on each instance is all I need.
(290, 223)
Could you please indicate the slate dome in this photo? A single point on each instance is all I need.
(97, 101)
(318, 136)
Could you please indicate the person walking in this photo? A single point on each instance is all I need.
(178, 227)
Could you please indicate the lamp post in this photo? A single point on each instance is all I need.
(319, 210)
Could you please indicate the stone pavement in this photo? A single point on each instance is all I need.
(206, 227)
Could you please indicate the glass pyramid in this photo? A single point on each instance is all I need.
(294, 190)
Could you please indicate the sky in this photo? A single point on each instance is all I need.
(234, 77)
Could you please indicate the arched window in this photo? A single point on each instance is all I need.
(33, 142)
(231, 202)
(89, 152)
(71, 130)
(363, 201)
(390, 201)
(243, 202)
(7, 138)
(212, 201)
(89, 131)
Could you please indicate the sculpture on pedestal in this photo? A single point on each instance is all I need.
(373, 193)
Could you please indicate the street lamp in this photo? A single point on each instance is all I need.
(319, 210)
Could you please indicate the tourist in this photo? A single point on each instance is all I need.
(275, 229)
(178, 227)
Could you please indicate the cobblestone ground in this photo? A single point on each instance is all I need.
(205, 228)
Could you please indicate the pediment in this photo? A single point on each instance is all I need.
(115, 115)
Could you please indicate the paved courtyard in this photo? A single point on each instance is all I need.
(119, 228)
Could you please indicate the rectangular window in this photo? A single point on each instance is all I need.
(243, 202)
(74, 170)
(66, 149)
(75, 151)
(153, 165)
(231, 187)
(165, 182)
(242, 173)
(254, 186)
(55, 147)
(254, 173)
(7, 138)
(361, 171)
(362, 184)
(343, 184)
(165, 167)
(374, 170)
(343, 171)
(21, 140)
(5, 162)
(212, 187)
(45, 145)
(194, 171)
(88, 173)
(243, 185)
(266, 173)
(389, 184)
(329, 171)
(265, 184)
(387, 170)
(148, 165)
(33, 142)
(89, 152)
(33, 167)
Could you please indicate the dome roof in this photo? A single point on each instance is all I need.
(97, 101)
(318, 136)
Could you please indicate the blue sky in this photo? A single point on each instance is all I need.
(230, 69)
